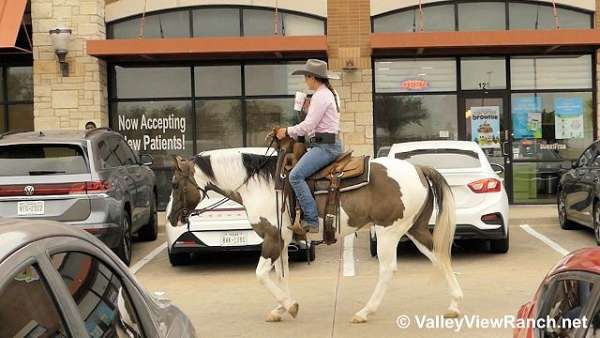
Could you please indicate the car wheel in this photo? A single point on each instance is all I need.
(500, 245)
(562, 213)
(179, 259)
(124, 248)
(597, 222)
(373, 245)
(149, 232)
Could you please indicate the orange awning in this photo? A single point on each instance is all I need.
(495, 42)
(206, 47)
(11, 16)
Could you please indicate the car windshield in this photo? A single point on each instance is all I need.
(42, 159)
(442, 158)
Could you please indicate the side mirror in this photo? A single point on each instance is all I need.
(146, 159)
(498, 169)
(573, 164)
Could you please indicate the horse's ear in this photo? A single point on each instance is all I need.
(178, 162)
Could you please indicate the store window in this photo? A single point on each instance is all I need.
(549, 131)
(551, 72)
(102, 299)
(482, 73)
(541, 16)
(436, 18)
(424, 75)
(230, 105)
(481, 16)
(16, 98)
(216, 21)
(414, 118)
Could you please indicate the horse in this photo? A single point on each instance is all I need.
(399, 199)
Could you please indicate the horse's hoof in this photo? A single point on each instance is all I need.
(452, 314)
(273, 318)
(358, 320)
(293, 310)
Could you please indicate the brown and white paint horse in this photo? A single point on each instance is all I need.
(399, 198)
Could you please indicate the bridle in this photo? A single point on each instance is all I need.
(186, 213)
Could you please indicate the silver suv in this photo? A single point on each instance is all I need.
(89, 179)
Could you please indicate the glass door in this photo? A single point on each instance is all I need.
(487, 123)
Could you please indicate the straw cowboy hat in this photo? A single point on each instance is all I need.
(316, 68)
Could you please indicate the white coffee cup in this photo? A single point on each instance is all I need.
(299, 101)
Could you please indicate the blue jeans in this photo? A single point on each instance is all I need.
(317, 157)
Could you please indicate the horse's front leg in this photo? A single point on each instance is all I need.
(281, 277)
(270, 255)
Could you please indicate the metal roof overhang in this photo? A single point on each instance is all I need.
(485, 43)
(11, 17)
(207, 48)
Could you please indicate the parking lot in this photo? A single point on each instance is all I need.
(223, 298)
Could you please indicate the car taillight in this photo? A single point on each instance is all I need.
(97, 187)
(94, 187)
(485, 185)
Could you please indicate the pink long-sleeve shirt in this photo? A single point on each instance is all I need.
(322, 117)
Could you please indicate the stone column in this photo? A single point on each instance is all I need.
(68, 102)
(348, 29)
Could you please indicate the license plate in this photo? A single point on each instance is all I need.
(30, 208)
(234, 238)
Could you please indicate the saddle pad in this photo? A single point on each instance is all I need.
(321, 186)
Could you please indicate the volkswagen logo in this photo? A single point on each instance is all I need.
(29, 190)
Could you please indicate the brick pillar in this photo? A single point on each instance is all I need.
(68, 102)
(348, 29)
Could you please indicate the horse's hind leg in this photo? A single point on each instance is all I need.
(387, 244)
(423, 240)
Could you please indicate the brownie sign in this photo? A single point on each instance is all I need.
(485, 126)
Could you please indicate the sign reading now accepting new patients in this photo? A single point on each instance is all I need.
(153, 133)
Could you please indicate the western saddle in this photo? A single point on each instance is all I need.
(346, 173)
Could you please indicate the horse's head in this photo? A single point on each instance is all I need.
(186, 192)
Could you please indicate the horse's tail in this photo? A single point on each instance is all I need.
(445, 223)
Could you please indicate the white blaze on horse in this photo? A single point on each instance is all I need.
(399, 197)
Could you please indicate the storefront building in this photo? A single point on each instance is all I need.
(519, 77)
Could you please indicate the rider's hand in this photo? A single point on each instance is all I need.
(281, 133)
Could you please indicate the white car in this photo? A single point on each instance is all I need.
(481, 201)
(224, 228)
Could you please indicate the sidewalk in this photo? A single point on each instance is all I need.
(533, 214)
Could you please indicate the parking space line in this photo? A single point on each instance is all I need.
(349, 255)
(545, 239)
(140, 264)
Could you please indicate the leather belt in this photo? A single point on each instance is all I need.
(323, 138)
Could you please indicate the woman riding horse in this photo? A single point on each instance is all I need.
(320, 127)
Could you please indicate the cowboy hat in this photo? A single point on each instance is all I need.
(316, 68)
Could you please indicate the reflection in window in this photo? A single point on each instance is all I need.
(27, 308)
(483, 73)
(565, 301)
(19, 84)
(2, 119)
(216, 22)
(164, 25)
(264, 114)
(261, 22)
(481, 16)
(436, 18)
(410, 118)
(218, 81)
(541, 16)
(219, 124)
(157, 82)
(428, 75)
(103, 302)
(298, 25)
(273, 79)
(551, 72)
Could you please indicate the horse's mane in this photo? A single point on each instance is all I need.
(255, 165)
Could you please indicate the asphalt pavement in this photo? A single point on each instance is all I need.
(221, 295)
